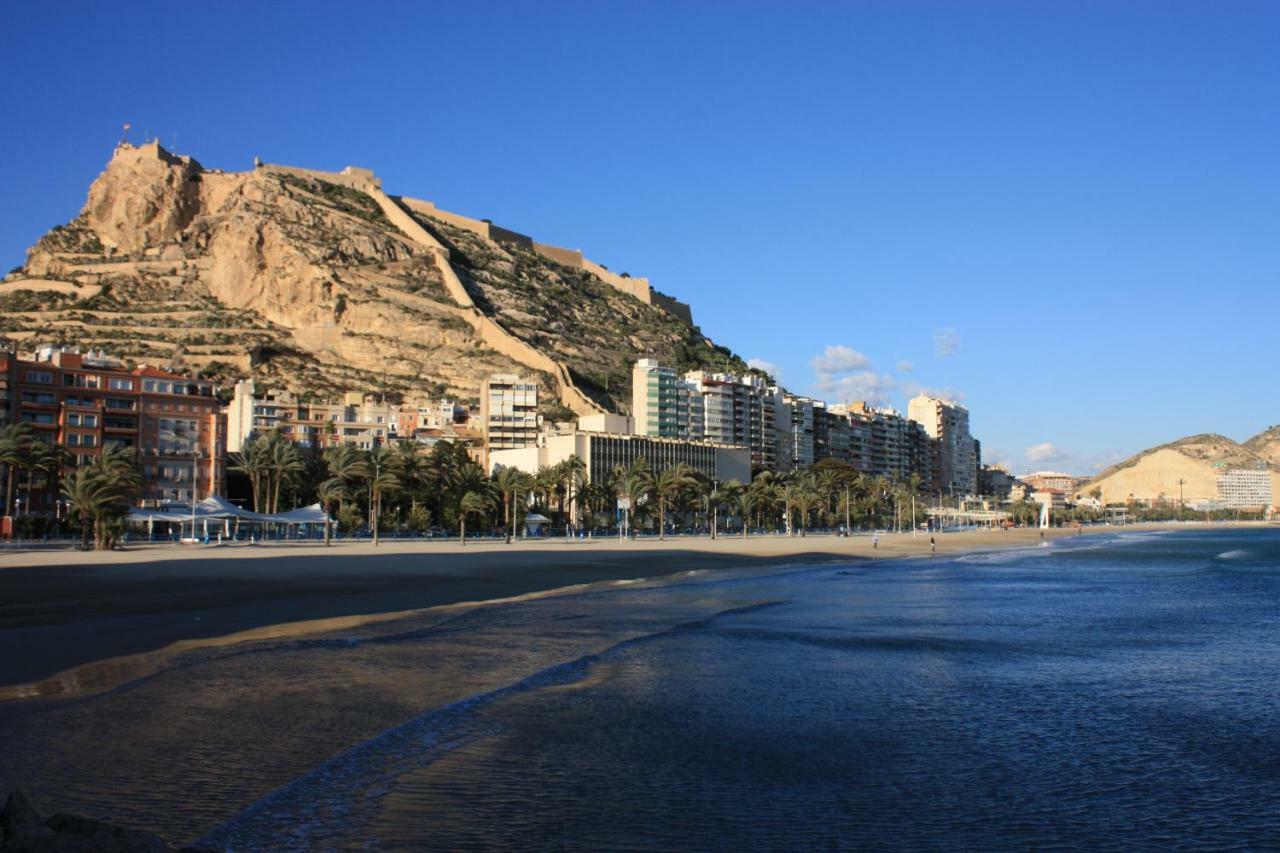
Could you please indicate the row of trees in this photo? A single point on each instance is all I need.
(98, 494)
(404, 486)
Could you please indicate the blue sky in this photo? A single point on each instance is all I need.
(1065, 214)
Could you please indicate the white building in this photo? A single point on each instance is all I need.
(1245, 488)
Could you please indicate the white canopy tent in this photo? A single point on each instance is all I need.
(214, 508)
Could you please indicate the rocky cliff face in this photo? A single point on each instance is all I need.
(301, 279)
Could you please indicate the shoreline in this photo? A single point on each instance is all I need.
(81, 622)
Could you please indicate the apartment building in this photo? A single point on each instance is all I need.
(508, 412)
(87, 401)
(948, 423)
(364, 420)
(1245, 488)
(664, 404)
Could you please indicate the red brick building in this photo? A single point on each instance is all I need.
(86, 401)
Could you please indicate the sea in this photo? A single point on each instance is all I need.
(1110, 692)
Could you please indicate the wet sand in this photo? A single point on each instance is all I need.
(62, 609)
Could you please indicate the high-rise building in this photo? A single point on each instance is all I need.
(948, 423)
(737, 411)
(795, 432)
(663, 404)
(1245, 488)
(509, 412)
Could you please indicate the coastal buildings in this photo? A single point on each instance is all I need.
(948, 422)
(508, 412)
(664, 404)
(601, 452)
(364, 420)
(1245, 488)
(87, 401)
(738, 411)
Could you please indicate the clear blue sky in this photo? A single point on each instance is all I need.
(1068, 214)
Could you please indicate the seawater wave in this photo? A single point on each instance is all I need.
(331, 800)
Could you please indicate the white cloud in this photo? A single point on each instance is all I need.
(1046, 454)
(1043, 452)
(837, 359)
(768, 367)
(868, 385)
(843, 374)
(946, 341)
(905, 367)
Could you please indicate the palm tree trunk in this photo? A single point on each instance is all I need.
(462, 527)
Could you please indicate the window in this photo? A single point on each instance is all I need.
(41, 398)
(121, 384)
(38, 417)
(119, 404)
(89, 420)
(40, 377)
(148, 385)
(73, 419)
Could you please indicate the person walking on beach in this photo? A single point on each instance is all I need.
(875, 541)
(933, 546)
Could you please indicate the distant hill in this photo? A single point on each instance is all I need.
(320, 282)
(1266, 444)
(1195, 460)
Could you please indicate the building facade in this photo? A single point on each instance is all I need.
(508, 412)
(87, 401)
(948, 423)
(1245, 488)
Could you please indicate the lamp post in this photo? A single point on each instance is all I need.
(715, 514)
(195, 489)
(373, 512)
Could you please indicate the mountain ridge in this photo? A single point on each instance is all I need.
(320, 282)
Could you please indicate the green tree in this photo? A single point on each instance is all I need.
(472, 503)
(668, 484)
(101, 494)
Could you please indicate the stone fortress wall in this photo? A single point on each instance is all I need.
(488, 330)
(365, 180)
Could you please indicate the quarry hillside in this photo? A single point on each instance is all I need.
(320, 282)
(1195, 460)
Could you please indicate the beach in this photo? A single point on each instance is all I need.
(64, 608)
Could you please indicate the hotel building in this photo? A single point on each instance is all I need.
(87, 401)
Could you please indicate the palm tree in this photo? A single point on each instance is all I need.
(383, 462)
(329, 491)
(667, 485)
(510, 482)
(346, 463)
(573, 474)
(15, 454)
(472, 502)
(285, 463)
(633, 483)
(731, 495)
(805, 498)
(102, 492)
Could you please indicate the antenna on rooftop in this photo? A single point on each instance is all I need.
(124, 134)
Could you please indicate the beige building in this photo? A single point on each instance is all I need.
(364, 420)
(508, 412)
(948, 423)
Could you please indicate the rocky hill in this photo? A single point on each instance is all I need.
(1266, 444)
(1196, 460)
(320, 282)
